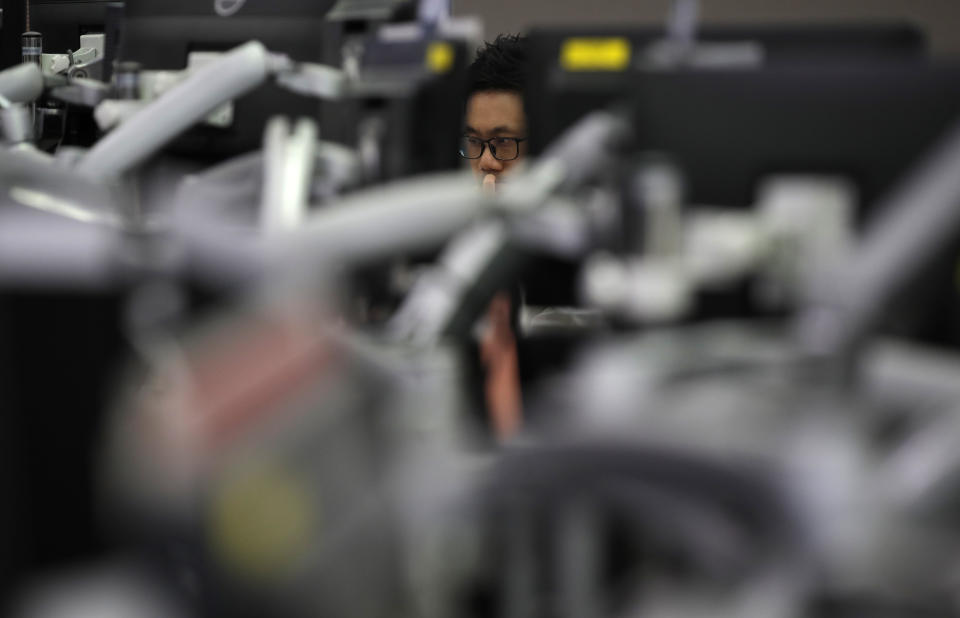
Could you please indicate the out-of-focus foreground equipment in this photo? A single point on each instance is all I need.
(243, 277)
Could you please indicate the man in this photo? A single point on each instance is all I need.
(495, 128)
(494, 143)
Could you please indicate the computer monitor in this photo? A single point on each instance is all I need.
(774, 43)
(160, 34)
(727, 128)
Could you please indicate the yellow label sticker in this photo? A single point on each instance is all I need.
(595, 54)
(439, 57)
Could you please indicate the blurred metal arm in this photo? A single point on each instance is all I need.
(217, 214)
(447, 301)
(576, 157)
(82, 91)
(401, 216)
(40, 251)
(917, 221)
(314, 80)
(22, 83)
(35, 179)
(288, 161)
(141, 136)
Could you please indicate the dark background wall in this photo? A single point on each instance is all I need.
(940, 19)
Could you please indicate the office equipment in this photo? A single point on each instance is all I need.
(160, 35)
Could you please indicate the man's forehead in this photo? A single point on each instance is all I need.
(495, 112)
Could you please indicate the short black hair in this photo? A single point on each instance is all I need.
(500, 65)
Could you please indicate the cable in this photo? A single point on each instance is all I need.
(27, 6)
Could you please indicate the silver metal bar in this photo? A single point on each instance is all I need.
(22, 83)
(380, 222)
(913, 225)
(298, 171)
(275, 137)
(141, 136)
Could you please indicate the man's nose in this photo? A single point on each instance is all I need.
(488, 163)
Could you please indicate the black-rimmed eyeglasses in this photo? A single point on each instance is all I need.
(502, 148)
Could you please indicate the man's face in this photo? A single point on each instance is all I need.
(495, 113)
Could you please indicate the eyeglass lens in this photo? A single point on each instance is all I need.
(503, 148)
